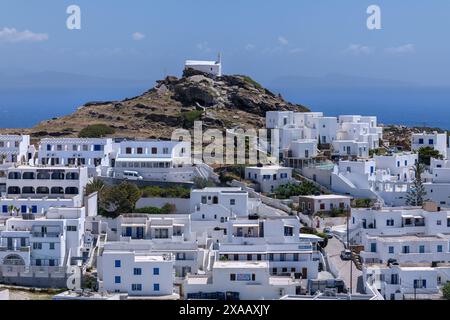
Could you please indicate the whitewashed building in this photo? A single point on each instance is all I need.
(89, 152)
(15, 148)
(270, 177)
(275, 240)
(403, 246)
(323, 203)
(137, 273)
(434, 140)
(244, 280)
(54, 240)
(35, 190)
(154, 160)
(211, 67)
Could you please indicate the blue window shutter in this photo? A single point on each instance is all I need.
(23, 209)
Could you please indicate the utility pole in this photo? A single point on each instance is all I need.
(348, 247)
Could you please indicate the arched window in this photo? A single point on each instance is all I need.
(71, 190)
(13, 190)
(43, 175)
(14, 176)
(58, 175)
(28, 175)
(13, 260)
(72, 176)
(42, 190)
(28, 190)
(57, 190)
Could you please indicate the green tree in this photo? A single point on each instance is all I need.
(121, 199)
(416, 194)
(446, 291)
(426, 153)
(200, 183)
(303, 189)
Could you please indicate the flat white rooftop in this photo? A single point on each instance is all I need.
(271, 167)
(327, 197)
(200, 62)
(241, 264)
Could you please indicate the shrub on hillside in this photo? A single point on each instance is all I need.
(96, 131)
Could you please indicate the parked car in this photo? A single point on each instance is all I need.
(132, 175)
(346, 254)
(328, 232)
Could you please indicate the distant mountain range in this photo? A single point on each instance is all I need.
(334, 81)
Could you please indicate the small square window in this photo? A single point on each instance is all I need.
(117, 263)
(155, 271)
(117, 279)
(156, 287)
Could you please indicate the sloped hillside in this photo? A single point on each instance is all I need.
(227, 101)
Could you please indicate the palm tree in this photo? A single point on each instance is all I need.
(12, 209)
(95, 185)
(416, 194)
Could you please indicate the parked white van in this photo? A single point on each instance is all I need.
(132, 175)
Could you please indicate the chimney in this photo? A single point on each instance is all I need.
(430, 206)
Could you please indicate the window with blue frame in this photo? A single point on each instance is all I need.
(430, 141)
(117, 263)
(137, 271)
(156, 271)
(406, 163)
(373, 247)
(49, 147)
(420, 141)
(23, 209)
(422, 249)
(4, 209)
(97, 147)
(398, 163)
(136, 287)
(117, 279)
(156, 287)
(391, 250)
(33, 209)
(439, 248)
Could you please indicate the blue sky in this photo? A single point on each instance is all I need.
(265, 39)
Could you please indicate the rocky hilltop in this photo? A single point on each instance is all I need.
(226, 101)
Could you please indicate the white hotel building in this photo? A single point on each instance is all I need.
(154, 160)
(136, 272)
(54, 240)
(405, 249)
(36, 189)
(89, 152)
(15, 148)
(349, 136)
(269, 178)
(258, 259)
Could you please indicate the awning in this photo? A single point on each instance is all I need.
(133, 224)
(143, 159)
(246, 225)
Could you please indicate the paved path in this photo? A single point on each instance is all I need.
(333, 250)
